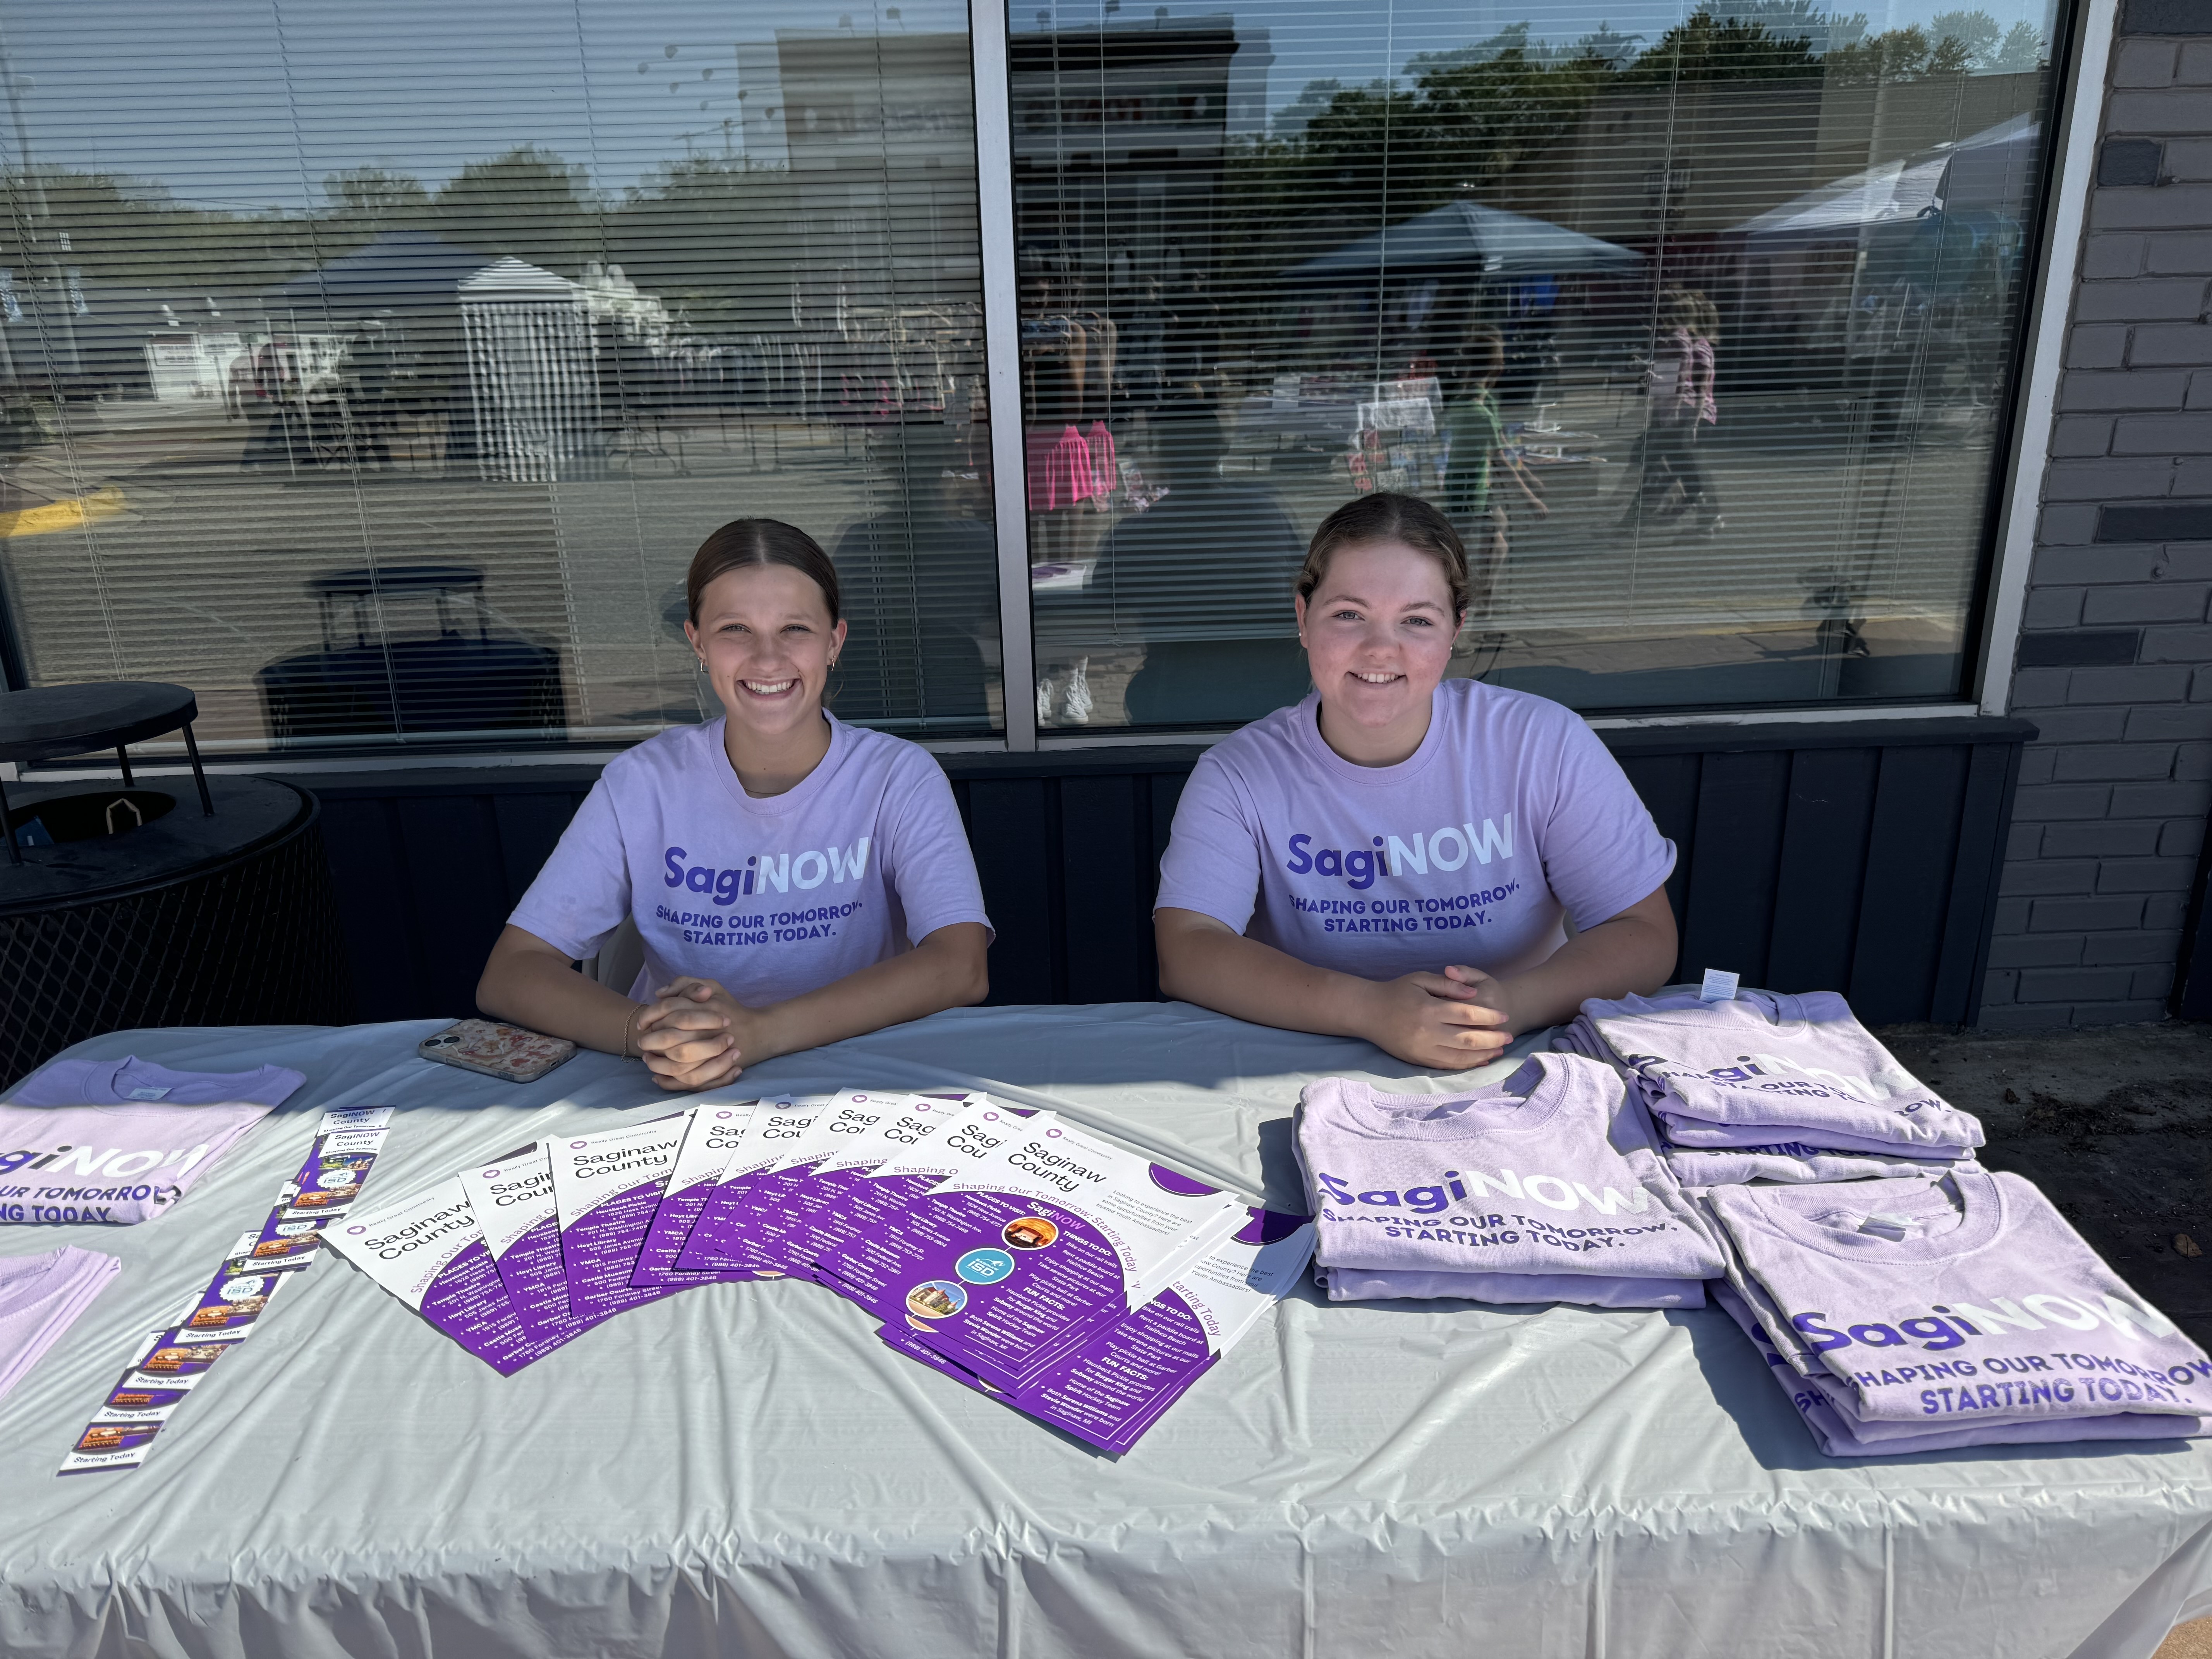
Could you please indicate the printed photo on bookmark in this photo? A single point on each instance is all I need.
(110, 1446)
(257, 1268)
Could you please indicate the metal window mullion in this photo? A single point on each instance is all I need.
(994, 189)
(2078, 117)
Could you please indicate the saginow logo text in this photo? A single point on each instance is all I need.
(1448, 848)
(763, 870)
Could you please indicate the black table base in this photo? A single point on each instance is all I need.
(186, 926)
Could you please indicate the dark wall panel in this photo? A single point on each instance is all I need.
(1669, 786)
(529, 828)
(1007, 823)
(1918, 798)
(1728, 916)
(1854, 856)
(363, 844)
(1993, 771)
(1104, 841)
(1817, 886)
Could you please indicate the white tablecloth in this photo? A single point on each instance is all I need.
(744, 1469)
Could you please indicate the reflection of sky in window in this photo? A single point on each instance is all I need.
(1352, 43)
(254, 104)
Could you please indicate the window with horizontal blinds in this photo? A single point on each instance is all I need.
(1699, 321)
(375, 371)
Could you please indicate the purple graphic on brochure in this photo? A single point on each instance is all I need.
(715, 1135)
(1110, 1385)
(673, 1218)
(718, 1240)
(830, 1211)
(468, 1302)
(1000, 1283)
(515, 1205)
(1039, 1235)
(429, 1252)
(815, 1208)
(606, 1188)
(599, 1249)
(535, 1271)
(759, 1212)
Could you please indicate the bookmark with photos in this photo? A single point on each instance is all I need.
(170, 1361)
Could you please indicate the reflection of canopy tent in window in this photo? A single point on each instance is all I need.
(524, 341)
(1467, 234)
(1992, 171)
(1913, 255)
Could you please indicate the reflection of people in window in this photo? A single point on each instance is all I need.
(919, 586)
(1678, 390)
(1213, 558)
(1477, 433)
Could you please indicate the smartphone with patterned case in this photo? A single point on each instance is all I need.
(497, 1049)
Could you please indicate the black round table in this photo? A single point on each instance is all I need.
(50, 721)
(121, 905)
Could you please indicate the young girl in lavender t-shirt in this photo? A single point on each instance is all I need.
(1434, 866)
(794, 879)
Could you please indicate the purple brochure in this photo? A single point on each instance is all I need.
(712, 1137)
(843, 1135)
(605, 1189)
(430, 1253)
(1109, 1388)
(822, 1213)
(513, 1200)
(1038, 1242)
(875, 1208)
(778, 1129)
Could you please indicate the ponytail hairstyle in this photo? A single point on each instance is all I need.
(1365, 521)
(742, 543)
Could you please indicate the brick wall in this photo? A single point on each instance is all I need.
(2115, 658)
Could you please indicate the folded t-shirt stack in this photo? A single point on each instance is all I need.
(1771, 1087)
(112, 1142)
(1546, 1186)
(40, 1296)
(1922, 1314)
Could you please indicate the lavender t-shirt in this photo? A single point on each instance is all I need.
(1549, 1171)
(1964, 1300)
(1510, 816)
(769, 897)
(1764, 1066)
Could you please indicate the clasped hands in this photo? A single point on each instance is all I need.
(695, 1034)
(1448, 1022)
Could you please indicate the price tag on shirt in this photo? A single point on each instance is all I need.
(1719, 986)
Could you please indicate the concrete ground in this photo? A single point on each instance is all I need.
(2115, 1124)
